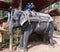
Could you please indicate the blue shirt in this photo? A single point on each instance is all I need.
(29, 6)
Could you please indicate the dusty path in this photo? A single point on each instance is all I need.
(40, 47)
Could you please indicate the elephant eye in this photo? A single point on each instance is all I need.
(14, 20)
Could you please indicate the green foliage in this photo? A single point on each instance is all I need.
(15, 42)
(55, 5)
(5, 43)
(8, 0)
(3, 14)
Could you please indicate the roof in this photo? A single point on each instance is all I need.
(4, 5)
(40, 4)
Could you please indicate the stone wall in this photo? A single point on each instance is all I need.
(57, 21)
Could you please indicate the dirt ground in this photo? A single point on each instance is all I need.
(41, 47)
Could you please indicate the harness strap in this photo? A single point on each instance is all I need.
(45, 31)
(28, 17)
(46, 27)
(34, 19)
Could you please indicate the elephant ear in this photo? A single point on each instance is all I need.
(16, 15)
(23, 18)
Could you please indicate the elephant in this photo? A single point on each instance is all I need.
(20, 19)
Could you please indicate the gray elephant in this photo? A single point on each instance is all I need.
(20, 19)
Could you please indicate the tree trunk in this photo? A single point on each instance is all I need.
(20, 5)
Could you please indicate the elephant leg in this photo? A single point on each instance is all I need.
(27, 33)
(11, 39)
(21, 43)
(21, 39)
(50, 34)
(25, 39)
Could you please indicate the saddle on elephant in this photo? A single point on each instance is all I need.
(33, 17)
(37, 16)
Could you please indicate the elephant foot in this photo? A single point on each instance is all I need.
(19, 47)
(52, 43)
(23, 50)
(18, 50)
(10, 51)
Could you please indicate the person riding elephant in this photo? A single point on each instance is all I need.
(30, 7)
